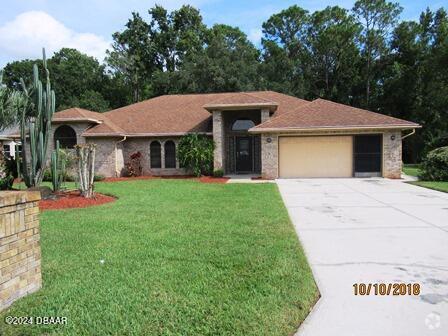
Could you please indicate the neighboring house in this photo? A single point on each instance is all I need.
(264, 133)
(10, 141)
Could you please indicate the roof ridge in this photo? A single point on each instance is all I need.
(357, 108)
(270, 120)
(258, 97)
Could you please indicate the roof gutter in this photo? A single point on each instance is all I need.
(330, 128)
(142, 135)
(117, 173)
(75, 120)
(407, 135)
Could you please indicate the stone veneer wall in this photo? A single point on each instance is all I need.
(105, 156)
(392, 154)
(218, 134)
(20, 256)
(269, 156)
(142, 145)
(79, 128)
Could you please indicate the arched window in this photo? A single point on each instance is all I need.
(170, 154)
(242, 125)
(155, 153)
(66, 136)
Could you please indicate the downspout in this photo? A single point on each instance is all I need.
(407, 135)
(116, 153)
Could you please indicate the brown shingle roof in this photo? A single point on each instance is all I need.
(180, 114)
(241, 100)
(78, 114)
(322, 113)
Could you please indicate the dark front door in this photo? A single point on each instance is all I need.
(244, 154)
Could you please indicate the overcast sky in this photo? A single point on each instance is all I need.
(87, 25)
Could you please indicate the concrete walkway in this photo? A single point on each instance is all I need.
(372, 231)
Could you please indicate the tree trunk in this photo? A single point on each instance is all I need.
(86, 169)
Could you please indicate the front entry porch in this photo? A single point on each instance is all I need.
(237, 151)
(243, 154)
(242, 151)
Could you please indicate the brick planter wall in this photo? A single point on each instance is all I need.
(20, 268)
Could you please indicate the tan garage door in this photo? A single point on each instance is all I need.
(316, 156)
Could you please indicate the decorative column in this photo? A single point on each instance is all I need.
(218, 138)
(265, 115)
(392, 160)
(176, 143)
(162, 154)
(269, 156)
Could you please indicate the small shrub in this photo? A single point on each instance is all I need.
(6, 182)
(47, 175)
(218, 173)
(134, 165)
(6, 177)
(67, 177)
(11, 166)
(196, 153)
(435, 165)
(98, 177)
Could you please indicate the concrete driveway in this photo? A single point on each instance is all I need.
(372, 231)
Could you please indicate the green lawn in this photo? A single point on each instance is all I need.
(414, 170)
(411, 169)
(181, 258)
(440, 186)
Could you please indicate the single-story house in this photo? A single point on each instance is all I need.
(264, 133)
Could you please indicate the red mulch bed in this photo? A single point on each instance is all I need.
(203, 179)
(210, 179)
(73, 199)
(149, 177)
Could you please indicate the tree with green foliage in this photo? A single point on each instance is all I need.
(228, 62)
(177, 36)
(133, 56)
(285, 55)
(377, 18)
(416, 80)
(82, 81)
(11, 102)
(333, 67)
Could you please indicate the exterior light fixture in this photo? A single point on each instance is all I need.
(392, 137)
(269, 140)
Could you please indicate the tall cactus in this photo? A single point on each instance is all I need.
(37, 128)
(57, 168)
